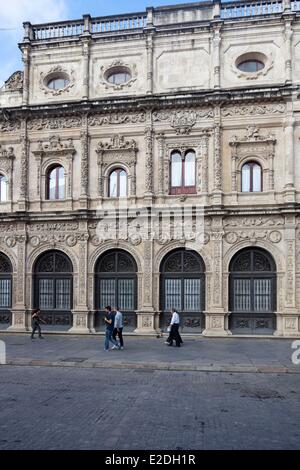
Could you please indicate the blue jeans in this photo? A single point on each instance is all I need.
(109, 338)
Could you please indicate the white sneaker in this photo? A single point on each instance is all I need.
(121, 347)
(115, 347)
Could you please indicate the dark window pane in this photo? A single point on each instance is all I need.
(251, 66)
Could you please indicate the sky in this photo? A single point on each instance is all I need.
(14, 12)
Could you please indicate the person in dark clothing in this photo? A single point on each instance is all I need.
(118, 327)
(36, 320)
(109, 320)
(174, 333)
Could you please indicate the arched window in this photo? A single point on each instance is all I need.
(182, 287)
(251, 178)
(5, 289)
(56, 183)
(183, 172)
(53, 277)
(3, 188)
(252, 291)
(116, 285)
(118, 183)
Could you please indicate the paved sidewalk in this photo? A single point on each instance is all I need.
(201, 354)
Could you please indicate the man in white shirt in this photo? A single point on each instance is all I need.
(174, 333)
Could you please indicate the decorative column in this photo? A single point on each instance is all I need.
(291, 313)
(18, 311)
(215, 316)
(86, 56)
(289, 158)
(23, 197)
(149, 158)
(288, 39)
(161, 157)
(25, 48)
(84, 194)
(81, 311)
(204, 169)
(149, 48)
(217, 191)
(145, 317)
(216, 54)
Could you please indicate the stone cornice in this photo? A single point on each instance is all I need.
(157, 102)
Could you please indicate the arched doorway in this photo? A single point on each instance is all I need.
(116, 285)
(182, 287)
(53, 288)
(5, 291)
(252, 292)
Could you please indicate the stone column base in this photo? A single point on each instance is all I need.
(18, 323)
(80, 322)
(216, 325)
(290, 325)
(289, 195)
(145, 323)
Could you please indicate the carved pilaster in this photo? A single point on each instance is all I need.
(86, 66)
(216, 55)
(288, 38)
(290, 243)
(289, 151)
(149, 47)
(24, 166)
(161, 156)
(217, 199)
(19, 307)
(217, 298)
(26, 62)
(149, 162)
(84, 159)
(203, 172)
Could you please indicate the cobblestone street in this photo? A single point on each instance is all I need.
(131, 400)
(70, 408)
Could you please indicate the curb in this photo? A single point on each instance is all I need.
(235, 368)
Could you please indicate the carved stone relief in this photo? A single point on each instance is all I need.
(15, 82)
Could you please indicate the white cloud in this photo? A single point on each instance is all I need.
(12, 15)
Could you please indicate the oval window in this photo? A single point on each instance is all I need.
(58, 83)
(251, 66)
(118, 76)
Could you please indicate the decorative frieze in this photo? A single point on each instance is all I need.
(98, 120)
(259, 221)
(255, 109)
(253, 235)
(10, 125)
(67, 122)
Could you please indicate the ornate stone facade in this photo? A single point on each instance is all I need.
(178, 94)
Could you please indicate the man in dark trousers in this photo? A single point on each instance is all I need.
(36, 320)
(174, 333)
(109, 320)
